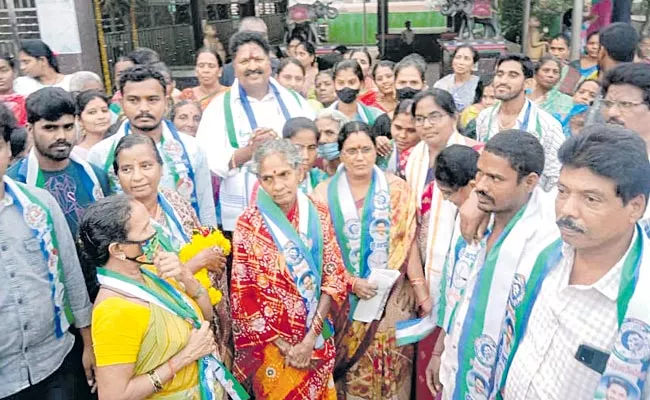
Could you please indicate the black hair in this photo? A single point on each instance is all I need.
(327, 72)
(241, 38)
(456, 166)
(352, 65)
(141, 73)
(309, 47)
(9, 59)
(475, 55)
(562, 37)
(612, 152)
(143, 55)
(50, 104)
(381, 127)
(341, 49)
(37, 48)
(209, 50)
(527, 66)
(7, 122)
(364, 51)
(18, 141)
(85, 97)
(546, 58)
(442, 98)
(405, 106)
(619, 40)
(353, 127)
(592, 34)
(279, 54)
(412, 61)
(380, 64)
(483, 82)
(579, 85)
(104, 222)
(286, 61)
(182, 103)
(633, 74)
(522, 150)
(129, 141)
(292, 126)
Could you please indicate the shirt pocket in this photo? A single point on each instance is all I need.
(33, 251)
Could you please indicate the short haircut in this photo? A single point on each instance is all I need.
(245, 37)
(547, 58)
(334, 115)
(442, 98)
(164, 70)
(143, 55)
(212, 51)
(522, 150)
(579, 85)
(289, 60)
(141, 73)
(7, 122)
(37, 48)
(50, 104)
(475, 55)
(85, 97)
(527, 66)
(456, 166)
(18, 141)
(619, 40)
(563, 38)
(129, 141)
(633, 74)
(354, 127)
(412, 61)
(349, 65)
(614, 153)
(294, 125)
(80, 78)
(382, 63)
(246, 23)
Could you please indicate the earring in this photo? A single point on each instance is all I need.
(122, 257)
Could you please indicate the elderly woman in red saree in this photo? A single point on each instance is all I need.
(374, 221)
(287, 278)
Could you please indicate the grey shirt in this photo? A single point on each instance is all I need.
(29, 349)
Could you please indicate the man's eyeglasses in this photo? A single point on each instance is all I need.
(622, 105)
(363, 150)
(433, 118)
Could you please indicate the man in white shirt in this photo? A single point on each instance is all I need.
(184, 163)
(586, 330)
(255, 109)
(509, 169)
(514, 111)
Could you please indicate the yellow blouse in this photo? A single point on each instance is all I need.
(125, 332)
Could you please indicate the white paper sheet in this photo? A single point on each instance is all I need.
(372, 309)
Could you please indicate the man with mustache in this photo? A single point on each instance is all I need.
(508, 172)
(51, 165)
(573, 328)
(72, 182)
(185, 169)
(514, 111)
(235, 123)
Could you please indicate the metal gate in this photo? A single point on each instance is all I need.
(18, 21)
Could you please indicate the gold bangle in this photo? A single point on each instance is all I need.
(155, 381)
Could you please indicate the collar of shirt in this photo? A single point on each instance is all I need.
(609, 284)
(267, 98)
(6, 201)
(522, 113)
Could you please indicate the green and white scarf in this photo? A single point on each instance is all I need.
(211, 369)
(38, 218)
(364, 240)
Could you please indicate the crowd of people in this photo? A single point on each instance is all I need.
(384, 237)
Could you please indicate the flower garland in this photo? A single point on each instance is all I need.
(205, 238)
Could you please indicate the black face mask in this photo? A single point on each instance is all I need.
(406, 93)
(347, 95)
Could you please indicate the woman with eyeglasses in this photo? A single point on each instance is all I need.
(303, 133)
(348, 83)
(138, 166)
(374, 220)
(150, 329)
(435, 119)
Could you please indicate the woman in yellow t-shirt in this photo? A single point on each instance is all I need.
(143, 346)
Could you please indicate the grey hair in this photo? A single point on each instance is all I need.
(253, 24)
(79, 80)
(334, 115)
(283, 147)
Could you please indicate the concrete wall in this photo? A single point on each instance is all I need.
(88, 59)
